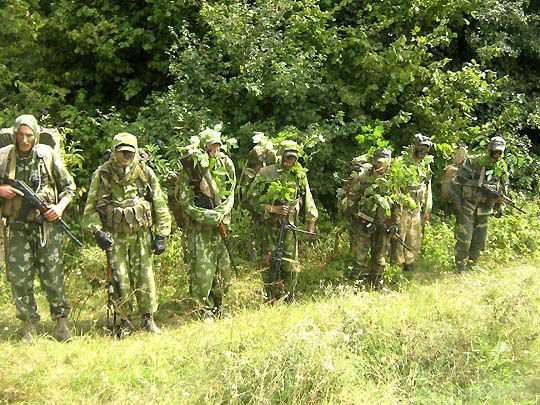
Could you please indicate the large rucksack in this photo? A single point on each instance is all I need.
(450, 171)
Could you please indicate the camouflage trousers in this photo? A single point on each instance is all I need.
(268, 233)
(209, 265)
(411, 234)
(366, 266)
(132, 262)
(25, 257)
(471, 234)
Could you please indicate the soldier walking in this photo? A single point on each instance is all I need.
(371, 225)
(206, 195)
(473, 202)
(33, 243)
(412, 219)
(127, 212)
(279, 192)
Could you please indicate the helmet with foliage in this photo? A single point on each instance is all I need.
(210, 136)
(497, 143)
(422, 140)
(289, 148)
(382, 156)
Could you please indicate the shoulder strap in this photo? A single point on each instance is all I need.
(8, 162)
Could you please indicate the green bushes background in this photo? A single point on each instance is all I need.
(459, 71)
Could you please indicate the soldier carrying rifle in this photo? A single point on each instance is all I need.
(279, 193)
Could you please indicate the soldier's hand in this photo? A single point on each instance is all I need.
(427, 216)
(159, 245)
(310, 228)
(104, 239)
(8, 192)
(54, 213)
(282, 210)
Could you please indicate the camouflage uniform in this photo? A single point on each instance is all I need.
(257, 158)
(269, 224)
(207, 258)
(34, 246)
(130, 204)
(473, 204)
(367, 221)
(411, 220)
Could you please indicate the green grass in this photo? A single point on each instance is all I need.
(432, 337)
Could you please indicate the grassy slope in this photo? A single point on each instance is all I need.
(471, 338)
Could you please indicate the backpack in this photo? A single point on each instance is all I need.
(450, 171)
(47, 136)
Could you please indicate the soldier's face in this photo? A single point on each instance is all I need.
(380, 167)
(289, 161)
(124, 157)
(25, 140)
(420, 152)
(495, 155)
(213, 149)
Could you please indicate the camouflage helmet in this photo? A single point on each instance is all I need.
(125, 141)
(382, 155)
(210, 137)
(30, 121)
(497, 143)
(422, 140)
(289, 148)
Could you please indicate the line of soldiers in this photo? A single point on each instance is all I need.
(128, 215)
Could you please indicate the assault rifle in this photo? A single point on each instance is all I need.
(203, 201)
(278, 252)
(31, 199)
(493, 190)
(391, 230)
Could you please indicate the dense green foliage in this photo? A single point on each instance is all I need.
(457, 70)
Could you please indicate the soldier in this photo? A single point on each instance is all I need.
(261, 155)
(474, 204)
(412, 219)
(127, 212)
(206, 196)
(33, 245)
(370, 224)
(288, 176)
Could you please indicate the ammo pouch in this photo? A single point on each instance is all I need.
(129, 217)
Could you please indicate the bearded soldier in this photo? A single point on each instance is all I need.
(35, 245)
(127, 212)
(370, 223)
(474, 203)
(413, 218)
(206, 195)
(279, 193)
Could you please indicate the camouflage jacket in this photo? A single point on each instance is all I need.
(473, 174)
(217, 186)
(420, 191)
(259, 196)
(105, 191)
(43, 171)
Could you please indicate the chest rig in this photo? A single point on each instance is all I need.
(125, 208)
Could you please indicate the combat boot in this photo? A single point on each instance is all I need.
(29, 332)
(125, 329)
(61, 330)
(216, 309)
(149, 324)
(461, 267)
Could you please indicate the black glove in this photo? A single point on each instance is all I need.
(371, 228)
(159, 245)
(392, 230)
(104, 239)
